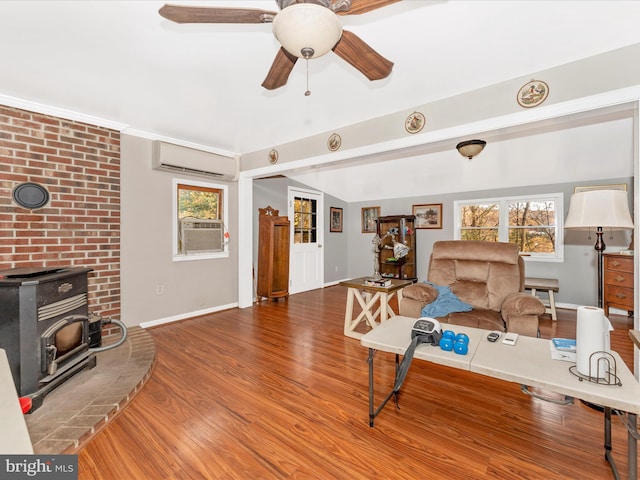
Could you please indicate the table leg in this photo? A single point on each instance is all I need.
(390, 312)
(608, 450)
(370, 362)
(552, 306)
(632, 445)
(607, 437)
(399, 296)
(384, 307)
(373, 411)
(367, 304)
(348, 312)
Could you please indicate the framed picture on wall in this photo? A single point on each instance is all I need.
(369, 217)
(428, 216)
(335, 219)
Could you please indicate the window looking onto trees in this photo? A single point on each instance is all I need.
(198, 200)
(534, 223)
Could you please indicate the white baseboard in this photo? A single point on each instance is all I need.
(573, 306)
(183, 316)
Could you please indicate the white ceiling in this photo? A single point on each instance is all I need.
(577, 150)
(121, 61)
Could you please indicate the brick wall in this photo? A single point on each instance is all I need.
(79, 164)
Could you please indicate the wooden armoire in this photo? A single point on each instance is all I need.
(273, 254)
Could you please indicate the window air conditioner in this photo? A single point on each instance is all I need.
(201, 235)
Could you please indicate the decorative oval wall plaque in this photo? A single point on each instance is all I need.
(414, 122)
(334, 142)
(533, 93)
(273, 156)
(31, 195)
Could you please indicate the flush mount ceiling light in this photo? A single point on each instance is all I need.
(307, 30)
(470, 148)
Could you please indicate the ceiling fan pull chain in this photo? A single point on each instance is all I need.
(308, 92)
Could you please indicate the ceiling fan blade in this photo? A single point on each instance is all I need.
(355, 51)
(364, 6)
(184, 14)
(280, 70)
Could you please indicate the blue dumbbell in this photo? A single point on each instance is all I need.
(446, 343)
(462, 337)
(449, 334)
(461, 347)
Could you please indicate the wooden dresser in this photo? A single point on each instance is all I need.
(618, 282)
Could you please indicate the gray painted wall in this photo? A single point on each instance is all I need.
(190, 287)
(577, 274)
(351, 250)
(273, 191)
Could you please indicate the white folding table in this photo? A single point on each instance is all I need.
(528, 363)
(14, 436)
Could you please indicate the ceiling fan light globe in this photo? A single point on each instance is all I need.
(307, 25)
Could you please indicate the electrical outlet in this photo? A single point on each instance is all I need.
(159, 289)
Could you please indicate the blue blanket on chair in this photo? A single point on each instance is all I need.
(447, 302)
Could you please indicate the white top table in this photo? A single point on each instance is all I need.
(528, 363)
(14, 438)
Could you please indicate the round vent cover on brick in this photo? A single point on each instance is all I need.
(31, 195)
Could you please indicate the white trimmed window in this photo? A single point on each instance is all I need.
(533, 222)
(200, 216)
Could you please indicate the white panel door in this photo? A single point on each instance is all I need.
(306, 259)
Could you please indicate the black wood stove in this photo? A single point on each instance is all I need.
(44, 327)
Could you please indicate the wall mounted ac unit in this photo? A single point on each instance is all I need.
(175, 158)
(201, 235)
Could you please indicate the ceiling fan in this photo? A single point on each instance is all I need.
(304, 28)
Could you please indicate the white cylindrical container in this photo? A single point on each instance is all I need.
(592, 330)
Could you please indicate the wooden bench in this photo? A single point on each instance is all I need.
(550, 285)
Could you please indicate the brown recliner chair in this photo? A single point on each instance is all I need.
(487, 275)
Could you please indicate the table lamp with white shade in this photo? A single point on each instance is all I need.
(599, 210)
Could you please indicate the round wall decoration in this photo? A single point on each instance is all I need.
(334, 142)
(414, 122)
(273, 156)
(533, 93)
(31, 195)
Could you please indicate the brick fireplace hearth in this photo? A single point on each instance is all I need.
(77, 410)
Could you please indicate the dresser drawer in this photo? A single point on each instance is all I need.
(621, 279)
(618, 282)
(619, 296)
(619, 263)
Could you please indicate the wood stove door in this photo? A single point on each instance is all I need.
(62, 342)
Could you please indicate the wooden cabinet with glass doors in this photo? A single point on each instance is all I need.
(397, 257)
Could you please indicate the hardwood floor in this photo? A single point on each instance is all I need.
(276, 392)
